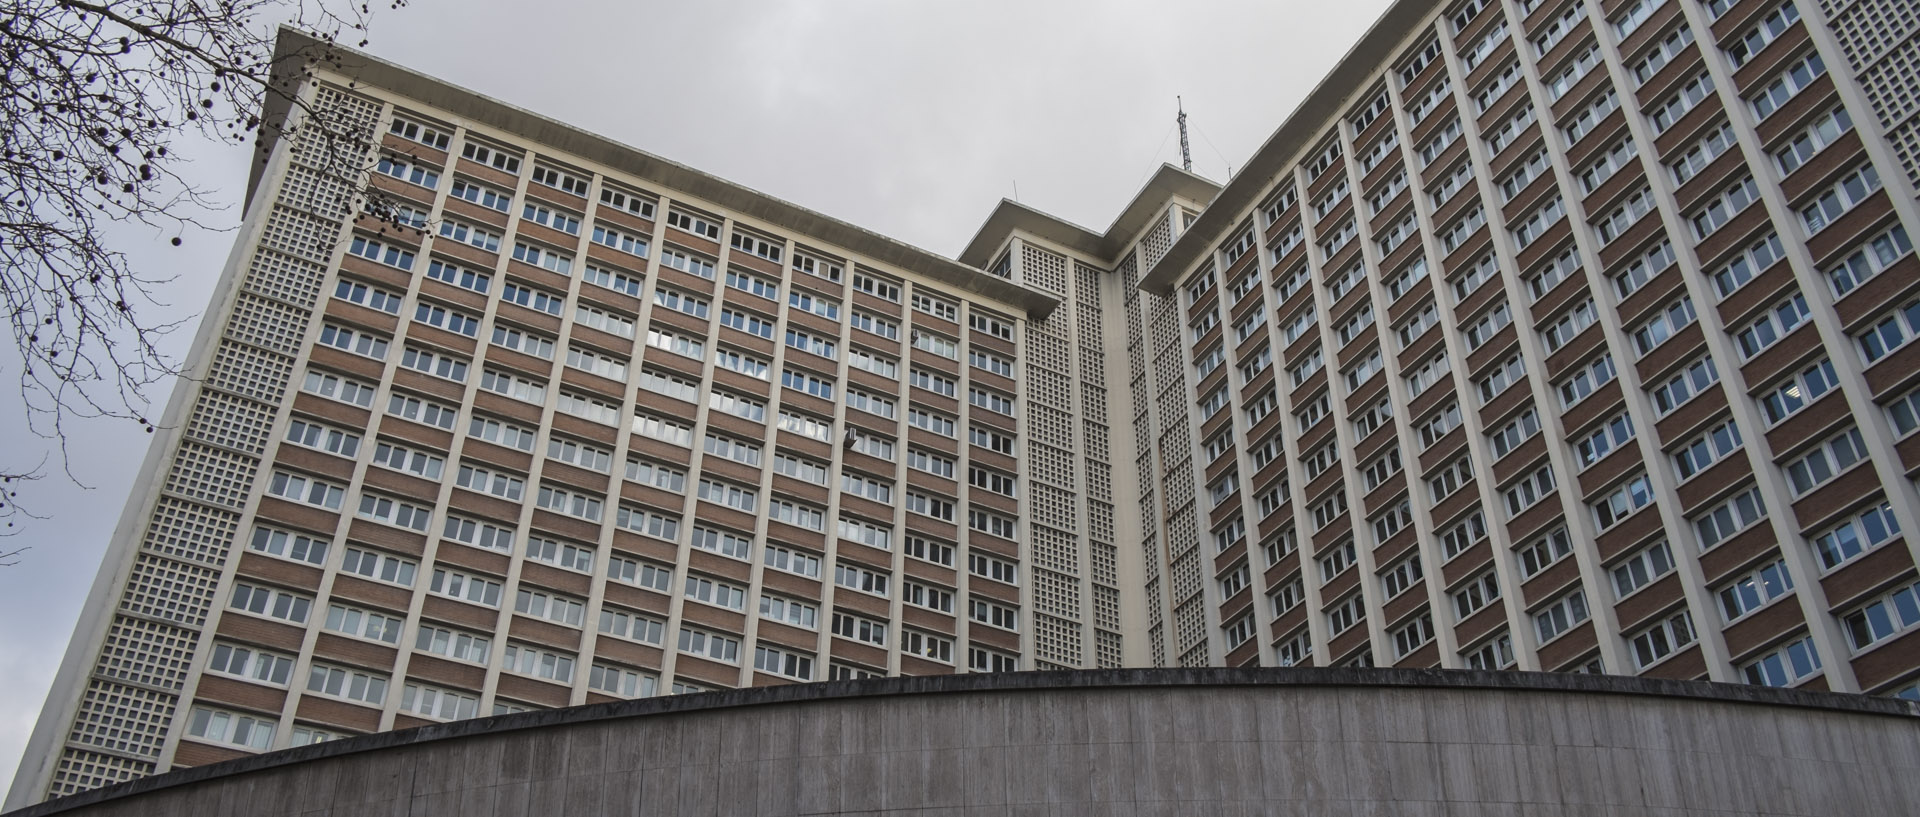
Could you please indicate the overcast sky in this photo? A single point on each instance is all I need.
(912, 119)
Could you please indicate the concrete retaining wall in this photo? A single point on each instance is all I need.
(1136, 742)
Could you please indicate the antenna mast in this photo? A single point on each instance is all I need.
(1186, 158)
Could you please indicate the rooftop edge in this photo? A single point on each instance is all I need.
(1325, 101)
(293, 53)
(1166, 182)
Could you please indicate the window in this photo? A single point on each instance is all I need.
(928, 421)
(1543, 552)
(998, 327)
(1642, 269)
(1569, 325)
(874, 325)
(560, 554)
(943, 310)
(805, 426)
(935, 507)
(992, 524)
(270, 602)
(1880, 619)
(287, 545)
(738, 406)
(1516, 431)
(1427, 374)
(755, 245)
(1668, 112)
(789, 611)
(1287, 597)
(1413, 635)
(1710, 447)
(1401, 576)
(379, 566)
(1702, 152)
(1809, 142)
(625, 683)
(1493, 654)
(1430, 101)
(368, 296)
(1615, 223)
(558, 609)
(864, 534)
(847, 625)
(231, 728)
(1662, 639)
(1663, 53)
(862, 579)
(250, 664)
(719, 594)
(1488, 324)
(604, 321)
(1336, 561)
(1755, 259)
(1790, 397)
(1496, 382)
(735, 450)
(1828, 459)
(1543, 217)
(323, 438)
(1596, 445)
(1724, 520)
(1529, 169)
(1872, 258)
(1843, 196)
(1783, 667)
(534, 299)
(932, 551)
(1754, 590)
(1466, 533)
(1529, 490)
(549, 217)
(801, 516)
(1865, 531)
(997, 615)
(527, 660)
(1642, 568)
(642, 574)
(304, 489)
(1732, 200)
(449, 274)
(783, 662)
(1577, 67)
(877, 287)
(708, 227)
(1561, 615)
(1509, 130)
(991, 440)
(478, 533)
(1787, 84)
(1345, 614)
(1436, 425)
(1582, 123)
(926, 645)
(358, 342)
(1475, 595)
(1449, 479)
(484, 481)
(1691, 380)
(942, 346)
(657, 476)
(458, 585)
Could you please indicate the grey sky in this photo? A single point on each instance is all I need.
(909, 118)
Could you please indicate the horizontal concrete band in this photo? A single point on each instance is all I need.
(1550, 689)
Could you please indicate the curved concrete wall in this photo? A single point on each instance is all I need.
(1136, 742)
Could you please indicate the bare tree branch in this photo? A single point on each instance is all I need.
(95, 99)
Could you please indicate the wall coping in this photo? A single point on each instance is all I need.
(1104, 679)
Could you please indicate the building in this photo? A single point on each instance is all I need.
(1260, 741)
(1551, 336)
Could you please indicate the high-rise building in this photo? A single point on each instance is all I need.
(1543, 335)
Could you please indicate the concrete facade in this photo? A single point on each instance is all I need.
(1135, 742)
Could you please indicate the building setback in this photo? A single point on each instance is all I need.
(1547, 336)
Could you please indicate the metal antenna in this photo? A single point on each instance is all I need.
(1186, 158)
